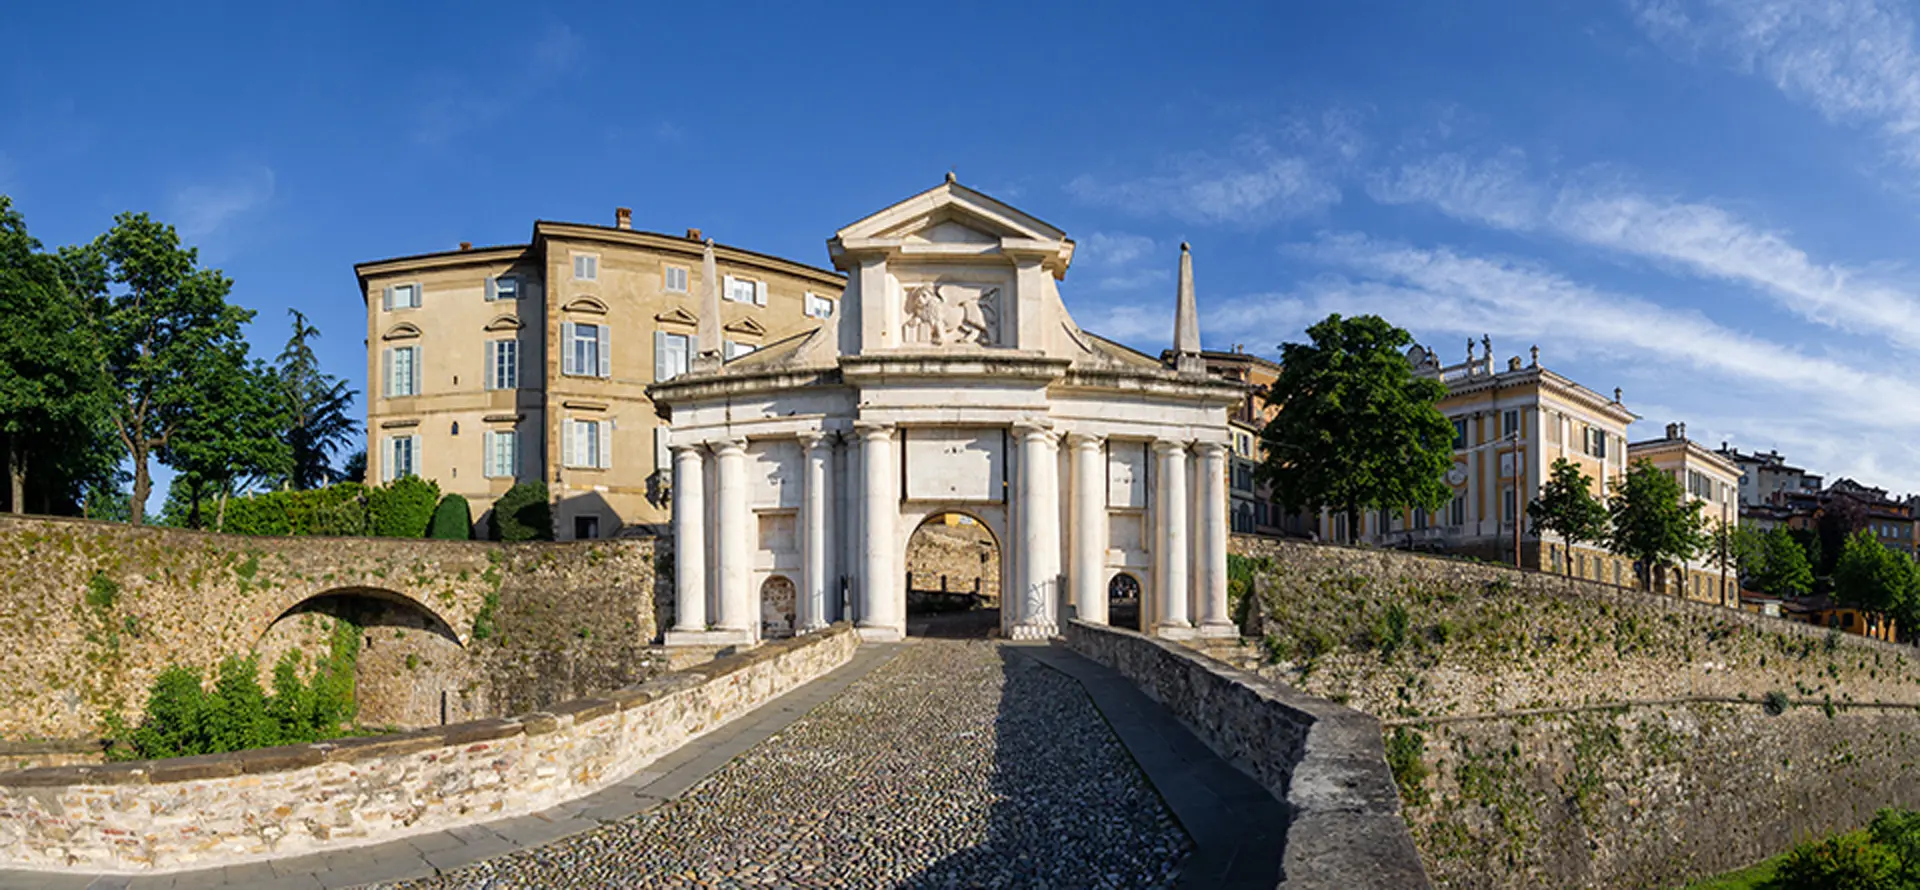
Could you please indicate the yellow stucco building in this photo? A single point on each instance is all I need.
(489, 366)
(1710, 478)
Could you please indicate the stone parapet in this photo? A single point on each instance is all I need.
(1324, 761)
(223, 809)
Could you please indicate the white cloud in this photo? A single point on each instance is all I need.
(1147, 327)
(1493, 191)
(1206, 189)
(1853, 61)
(1462, 294)
(1121, 262)
(1695, 238)
(200, 209)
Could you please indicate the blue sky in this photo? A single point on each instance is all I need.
(1710, 204)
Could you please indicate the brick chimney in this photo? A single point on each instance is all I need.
(623, 217)
(466, 245)
(694, 235)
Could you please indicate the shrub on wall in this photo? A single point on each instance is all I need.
(522, 514)
(339, 510)
(452, 520)
(183, 718)
(403, 509)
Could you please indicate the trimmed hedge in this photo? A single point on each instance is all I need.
(522, 514)
(403, 509)
(452, 520)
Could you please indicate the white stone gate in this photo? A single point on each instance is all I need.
(950, 378)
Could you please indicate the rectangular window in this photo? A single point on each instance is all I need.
(1509, 423)
(1597, 443)
(1506, 505)
(1419, 518)
(589, 443)
(671, 352)
(673, 279)
(503, 364)
(1457, 511)
(586, 267)
(740, 290)
(502, 453)
(731, 350)
(403, 296)
(403, 371)
(505, 287)
(401, 458)
(1459, 434)
(819, 306)
(586, 350)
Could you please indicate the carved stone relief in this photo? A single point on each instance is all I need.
(945, 314)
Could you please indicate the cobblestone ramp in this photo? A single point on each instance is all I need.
(957, 764)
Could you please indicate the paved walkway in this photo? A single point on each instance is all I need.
(931, 764)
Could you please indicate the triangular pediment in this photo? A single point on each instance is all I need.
(677, 315)
(746, 326)
(950, 213)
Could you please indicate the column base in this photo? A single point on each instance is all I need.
(1176, 632)
(880, 634)
(711, 637)
(1215, 629)
(1032, 632)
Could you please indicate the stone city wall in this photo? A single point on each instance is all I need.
(92, 612)
(1555, 732)
(1324, 761)
(203, 812)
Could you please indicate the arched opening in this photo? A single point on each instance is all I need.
(953, 577)
(1123, 601)
(776, 608)
(410, 668)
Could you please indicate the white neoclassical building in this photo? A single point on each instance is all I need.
(950, 380)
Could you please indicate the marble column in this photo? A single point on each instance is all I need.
(733, 555)
(1170, 545)
(1211, 597)
(881, 603)
(1039, 534)
(811, 610)
(689, 540)
(1088, 568)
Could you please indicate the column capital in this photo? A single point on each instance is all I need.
(729, 446)
(1169, 446)
(872, 431)
(682, 448)
(1211, 449)
(1084, 441)
(812, 440)
(1032, 429)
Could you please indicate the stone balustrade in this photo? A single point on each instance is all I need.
(222, 809)
(1324, 761)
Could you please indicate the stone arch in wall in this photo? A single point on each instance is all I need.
(1123, 601)
(411, 667)
(953, 563)
(777, 607)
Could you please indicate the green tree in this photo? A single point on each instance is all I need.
(1783, 569)
(522, 514)
(1567, 507)
(452, 520)
(233, 436)
(317, 408)
(52, 390)
(1870, 576)
(1357, 430)
(167, 333)
(1745, 547)
(1653, 522)
(403, 508)
(355, 467)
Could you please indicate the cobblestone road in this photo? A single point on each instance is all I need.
(957, 764)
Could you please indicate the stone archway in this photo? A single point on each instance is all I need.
(1123, 601)
(954, 573)
(409, 664)
(777, 607)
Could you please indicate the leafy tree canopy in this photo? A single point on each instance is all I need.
(1653, 522)
(1567, 507)
(1358, 429)
(1784, 569)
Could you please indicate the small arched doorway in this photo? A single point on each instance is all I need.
(1123, 601)
(408, 663)
(953, 577)
(777, 608)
